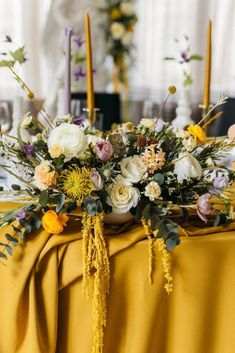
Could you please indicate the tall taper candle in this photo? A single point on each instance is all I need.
(89, 68)
(67, 75)
(207, 77)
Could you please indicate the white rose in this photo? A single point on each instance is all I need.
(190, 143)
(127, 8)
(149, 123)
(26, 121)
(127, 38)
(117, 30)
(133, 169)
(152, 191)
(122, 196)
(70, 138)
(187, 167)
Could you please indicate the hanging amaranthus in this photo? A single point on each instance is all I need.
(95, 255)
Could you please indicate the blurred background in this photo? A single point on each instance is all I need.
(131, 41)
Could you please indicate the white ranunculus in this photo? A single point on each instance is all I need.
(187, 167)
(127, 38)
(152, 191)
(149, 123)
(127, 8)
(117, 30)
(26, 121)
(70, 138)
(133, 169)
(122, 196)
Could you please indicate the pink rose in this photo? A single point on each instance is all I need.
(96, 179)
(204, 206)
(104, 150)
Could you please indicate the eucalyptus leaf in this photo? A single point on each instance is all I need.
(15, 187)
(9, 250)
(2, 255)
(159, 178)
(43, 198)
(11, 239)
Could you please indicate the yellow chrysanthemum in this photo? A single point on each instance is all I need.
(76, 182)
(198, 133)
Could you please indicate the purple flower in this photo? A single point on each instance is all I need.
(96, 179)
(104, 150)
(220, 183)
(21, 215)
(79, 41)
(69, 29)
(28, 149)
(159, 125)
(79, 119)
(79, 73)
(204, 206)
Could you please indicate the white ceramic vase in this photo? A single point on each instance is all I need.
(183, 110)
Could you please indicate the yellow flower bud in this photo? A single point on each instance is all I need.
(116, 14)
(30, 95)
(54, 223)
(171, 89)
(198, 133)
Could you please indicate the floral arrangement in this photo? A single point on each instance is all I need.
(184, 58)
(118, 31)
(151, 170)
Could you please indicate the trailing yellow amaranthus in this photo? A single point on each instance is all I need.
(165, 256)
(95, 254)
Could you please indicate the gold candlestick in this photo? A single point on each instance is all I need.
(207, 77)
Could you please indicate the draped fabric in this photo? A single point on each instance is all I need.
(42, 310)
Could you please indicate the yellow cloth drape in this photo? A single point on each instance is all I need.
(42, 310)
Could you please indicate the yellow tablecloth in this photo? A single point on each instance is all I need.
(42, 311)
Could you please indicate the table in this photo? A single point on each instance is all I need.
(42, 310)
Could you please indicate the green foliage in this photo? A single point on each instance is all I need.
(92, 206)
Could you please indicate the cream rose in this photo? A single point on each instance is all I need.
(56, 151)
(70, 138)
(122, 196)
(152, 191)
(133, 169)
(43, 176)
(117, 30)
(127, 8)
(187, 167)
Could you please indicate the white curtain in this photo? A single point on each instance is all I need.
(23, 21)
(39, 24)
(160, 21)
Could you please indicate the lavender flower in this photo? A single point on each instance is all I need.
(79, 119)
(220, 183)
(79, 73)
(204, 206)
(79, 41)
(28, 149)
(159, 125)
(21, 215)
